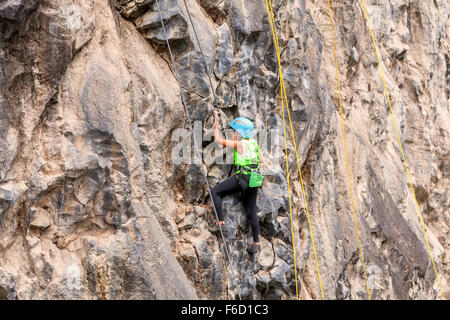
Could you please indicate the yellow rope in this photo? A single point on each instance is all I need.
(283, 93)
(289, 188)
(345, 148)
(401, 148)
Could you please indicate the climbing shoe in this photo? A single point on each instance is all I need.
(253, 249)
(215, 229)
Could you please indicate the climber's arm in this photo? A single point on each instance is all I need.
(226, 143)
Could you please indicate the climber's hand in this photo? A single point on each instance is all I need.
(216, 121)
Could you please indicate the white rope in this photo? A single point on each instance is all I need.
(190, 123)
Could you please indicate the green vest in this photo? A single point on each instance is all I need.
(249, 156)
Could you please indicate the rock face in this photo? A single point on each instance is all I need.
(92, 205)
(81, 124)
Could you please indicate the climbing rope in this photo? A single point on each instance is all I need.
(284, 98)
(400, 144)
(345, 148)
(201, 51)
(190, 123)
(288, 183)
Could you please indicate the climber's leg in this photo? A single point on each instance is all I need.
(250, 206)
(224, 188)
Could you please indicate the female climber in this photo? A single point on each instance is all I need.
(246, 179)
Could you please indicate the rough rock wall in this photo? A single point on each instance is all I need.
(84, 190)
(412, 39)
(91, 205)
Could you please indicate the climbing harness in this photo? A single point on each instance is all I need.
(400, 144)
(345, 149)
(285, 101)
(247, 165)
(191, 125)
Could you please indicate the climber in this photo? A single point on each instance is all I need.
(246, 179)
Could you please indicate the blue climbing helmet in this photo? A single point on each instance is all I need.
(244, 126)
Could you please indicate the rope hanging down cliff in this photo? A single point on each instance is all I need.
(286, 155)
(346, 154)
(201, 51)
(284, 98)
(190, 124)
(400, 144)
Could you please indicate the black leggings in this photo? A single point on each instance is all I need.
(229, 186)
